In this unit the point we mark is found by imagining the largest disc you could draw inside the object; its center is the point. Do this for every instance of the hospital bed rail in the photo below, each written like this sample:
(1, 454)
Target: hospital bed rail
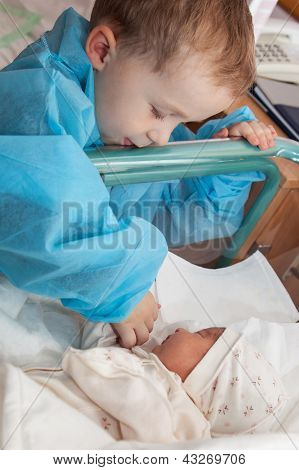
(128, 165)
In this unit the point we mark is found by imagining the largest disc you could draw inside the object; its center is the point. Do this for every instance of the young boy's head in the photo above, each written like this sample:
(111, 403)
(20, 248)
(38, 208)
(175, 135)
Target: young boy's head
(160, 63)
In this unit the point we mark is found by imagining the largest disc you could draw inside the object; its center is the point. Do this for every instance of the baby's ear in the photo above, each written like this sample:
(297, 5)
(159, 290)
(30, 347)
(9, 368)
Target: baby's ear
(100, 46)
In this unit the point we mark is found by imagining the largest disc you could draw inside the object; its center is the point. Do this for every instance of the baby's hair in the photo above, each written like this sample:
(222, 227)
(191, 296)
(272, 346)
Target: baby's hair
(156, 30)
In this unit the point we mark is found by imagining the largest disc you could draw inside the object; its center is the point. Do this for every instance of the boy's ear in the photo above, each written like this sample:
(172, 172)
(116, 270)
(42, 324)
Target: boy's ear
(100, 46)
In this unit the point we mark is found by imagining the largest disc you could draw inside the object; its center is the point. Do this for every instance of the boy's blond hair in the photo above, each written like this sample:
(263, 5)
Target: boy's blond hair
(156, 29)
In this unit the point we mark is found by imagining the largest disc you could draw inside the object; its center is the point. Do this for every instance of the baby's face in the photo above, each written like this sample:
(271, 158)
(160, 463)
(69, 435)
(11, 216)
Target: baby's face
(182, 351)
(134, 103)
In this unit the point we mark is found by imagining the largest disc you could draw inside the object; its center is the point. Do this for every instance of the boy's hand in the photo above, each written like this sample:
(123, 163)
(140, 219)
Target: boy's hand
(256, 132)
(135, 329)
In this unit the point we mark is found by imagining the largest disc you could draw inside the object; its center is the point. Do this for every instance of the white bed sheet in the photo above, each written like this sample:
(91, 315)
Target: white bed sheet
(36, 331)
(249, 288)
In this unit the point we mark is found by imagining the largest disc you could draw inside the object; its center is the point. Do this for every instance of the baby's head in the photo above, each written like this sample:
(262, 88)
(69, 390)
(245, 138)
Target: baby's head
(231, 383)
(159, 63)
(182, 351)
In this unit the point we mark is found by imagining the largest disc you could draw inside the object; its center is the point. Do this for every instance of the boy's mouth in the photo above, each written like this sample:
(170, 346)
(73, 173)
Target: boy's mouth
(128, 143)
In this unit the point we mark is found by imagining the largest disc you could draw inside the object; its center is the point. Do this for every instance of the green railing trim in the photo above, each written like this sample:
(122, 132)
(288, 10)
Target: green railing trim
(270, 188)
(30, 20)
(114, 160)
(173, 172)
(199, 158)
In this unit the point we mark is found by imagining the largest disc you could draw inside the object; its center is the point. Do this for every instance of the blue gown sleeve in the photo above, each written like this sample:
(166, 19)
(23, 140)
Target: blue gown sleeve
(59, 237)
(204, 208)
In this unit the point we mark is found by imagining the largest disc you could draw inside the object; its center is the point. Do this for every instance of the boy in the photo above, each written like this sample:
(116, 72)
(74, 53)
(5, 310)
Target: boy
(132, 77)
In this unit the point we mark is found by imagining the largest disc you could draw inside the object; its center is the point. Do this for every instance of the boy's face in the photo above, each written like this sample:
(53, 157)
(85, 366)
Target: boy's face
(182, 351)
(137, 106)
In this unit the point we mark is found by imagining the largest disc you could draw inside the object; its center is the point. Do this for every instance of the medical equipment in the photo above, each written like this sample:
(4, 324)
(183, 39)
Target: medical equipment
(198, 158)
(277, 51)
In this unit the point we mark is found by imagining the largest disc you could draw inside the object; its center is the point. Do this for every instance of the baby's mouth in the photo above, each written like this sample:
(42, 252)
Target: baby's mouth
(166, 339)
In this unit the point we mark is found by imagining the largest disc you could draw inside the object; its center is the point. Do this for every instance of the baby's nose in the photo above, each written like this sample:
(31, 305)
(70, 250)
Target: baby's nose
(178, 330)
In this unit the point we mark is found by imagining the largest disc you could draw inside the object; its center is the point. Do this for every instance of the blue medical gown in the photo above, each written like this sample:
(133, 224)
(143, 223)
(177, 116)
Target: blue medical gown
(63, 234)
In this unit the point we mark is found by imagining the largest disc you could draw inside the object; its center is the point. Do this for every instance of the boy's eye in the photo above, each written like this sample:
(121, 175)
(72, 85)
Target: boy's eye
(156, 113)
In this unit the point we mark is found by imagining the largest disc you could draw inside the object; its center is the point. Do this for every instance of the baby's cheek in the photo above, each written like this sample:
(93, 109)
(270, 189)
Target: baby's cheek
(180, 358)
(193, 356)
(174, 362)
(187, 363)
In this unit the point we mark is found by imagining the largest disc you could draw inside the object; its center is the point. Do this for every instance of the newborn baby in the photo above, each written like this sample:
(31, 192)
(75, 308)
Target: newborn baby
(233, 385)
(193, 385)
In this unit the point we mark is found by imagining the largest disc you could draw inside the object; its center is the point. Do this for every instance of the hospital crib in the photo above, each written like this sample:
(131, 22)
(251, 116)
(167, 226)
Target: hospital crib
(199, 158)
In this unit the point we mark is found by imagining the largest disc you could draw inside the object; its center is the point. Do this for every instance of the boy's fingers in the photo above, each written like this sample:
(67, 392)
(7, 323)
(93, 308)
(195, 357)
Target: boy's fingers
(149, 324)
(268, 134)
(260, 133)
(151, 320)
(263, 133)
(127, 336)
(142, 333)
(241, 129)
(252, 138)
(273, 131)
(221, 134)
(249, 133)
(255, 134)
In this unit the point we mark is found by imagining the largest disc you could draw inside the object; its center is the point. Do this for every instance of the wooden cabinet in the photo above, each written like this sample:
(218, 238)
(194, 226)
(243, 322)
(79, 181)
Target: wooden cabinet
(291, 6)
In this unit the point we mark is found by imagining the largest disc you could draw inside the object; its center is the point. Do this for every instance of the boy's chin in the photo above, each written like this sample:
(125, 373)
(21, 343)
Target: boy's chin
(108, 141)
(125, 142)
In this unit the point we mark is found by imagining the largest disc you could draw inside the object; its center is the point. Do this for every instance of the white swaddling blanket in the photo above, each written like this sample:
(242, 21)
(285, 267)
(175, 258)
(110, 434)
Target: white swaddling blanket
(144, 400)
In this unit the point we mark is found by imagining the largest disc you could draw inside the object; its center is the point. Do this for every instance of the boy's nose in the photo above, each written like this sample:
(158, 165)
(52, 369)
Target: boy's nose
(159, 137)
